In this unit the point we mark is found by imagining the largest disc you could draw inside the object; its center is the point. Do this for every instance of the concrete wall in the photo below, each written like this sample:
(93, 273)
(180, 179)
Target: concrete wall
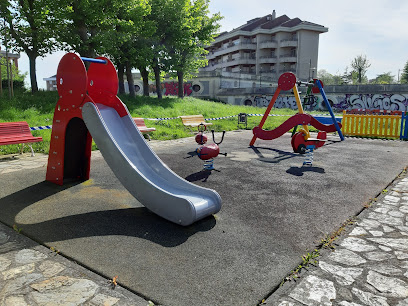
(307, 54)
(387, 97)
(257, 91)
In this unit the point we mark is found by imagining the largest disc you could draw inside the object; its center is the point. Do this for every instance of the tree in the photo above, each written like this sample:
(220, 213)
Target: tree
(197, 30)
(164, 16)
(351, 77)
(83, 24)
(360, 64)
(384, 78)
(123, 44)
(404, 75)
(28, 24)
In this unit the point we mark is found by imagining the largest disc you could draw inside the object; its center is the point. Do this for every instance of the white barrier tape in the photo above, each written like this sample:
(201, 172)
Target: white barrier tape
(48, 127)
(37, 128)
(159, 119)
(210, 119)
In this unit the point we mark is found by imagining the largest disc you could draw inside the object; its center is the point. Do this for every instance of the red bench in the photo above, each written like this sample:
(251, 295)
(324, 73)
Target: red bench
(16, 133)
(142, 126)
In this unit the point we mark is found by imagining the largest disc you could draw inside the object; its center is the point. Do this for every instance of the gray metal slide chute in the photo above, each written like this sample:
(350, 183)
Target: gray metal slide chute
(142, 172)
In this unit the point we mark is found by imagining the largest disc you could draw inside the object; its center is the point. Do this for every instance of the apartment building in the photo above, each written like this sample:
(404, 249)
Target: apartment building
(268, 46)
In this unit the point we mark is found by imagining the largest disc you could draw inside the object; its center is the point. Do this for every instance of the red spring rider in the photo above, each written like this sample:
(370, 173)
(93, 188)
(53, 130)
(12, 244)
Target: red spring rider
(200, 137)
(209, 152)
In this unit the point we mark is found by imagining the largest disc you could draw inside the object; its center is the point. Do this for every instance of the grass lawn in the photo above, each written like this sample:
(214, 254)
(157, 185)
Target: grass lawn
(38, 110)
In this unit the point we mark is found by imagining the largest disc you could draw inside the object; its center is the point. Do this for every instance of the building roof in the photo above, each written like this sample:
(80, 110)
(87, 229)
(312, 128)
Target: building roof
(270, 21)
(9, 54)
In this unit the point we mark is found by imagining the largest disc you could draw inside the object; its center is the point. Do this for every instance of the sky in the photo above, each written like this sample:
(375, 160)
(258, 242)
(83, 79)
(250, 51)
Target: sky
(377, 29)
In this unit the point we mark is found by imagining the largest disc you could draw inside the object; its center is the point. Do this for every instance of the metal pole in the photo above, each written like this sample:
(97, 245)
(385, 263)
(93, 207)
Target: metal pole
(8, 72)
(11, 81)
(1, 81)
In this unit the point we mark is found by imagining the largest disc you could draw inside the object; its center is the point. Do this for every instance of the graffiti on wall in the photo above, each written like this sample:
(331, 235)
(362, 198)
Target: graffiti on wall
(377, 101)
(171, 88)
(339, 103)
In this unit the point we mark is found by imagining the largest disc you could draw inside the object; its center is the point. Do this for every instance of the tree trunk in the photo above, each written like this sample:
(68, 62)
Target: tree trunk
(33, 76)
(180, 77)
(121, 73)
(145, 77)
(129, 78)
(156, 70)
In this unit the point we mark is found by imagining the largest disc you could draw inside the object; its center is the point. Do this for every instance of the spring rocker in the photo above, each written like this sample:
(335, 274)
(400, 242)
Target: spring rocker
(301, 140)
(207, 153)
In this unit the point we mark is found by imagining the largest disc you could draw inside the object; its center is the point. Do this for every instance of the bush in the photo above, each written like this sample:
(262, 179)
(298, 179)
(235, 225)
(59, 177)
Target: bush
(16, 84)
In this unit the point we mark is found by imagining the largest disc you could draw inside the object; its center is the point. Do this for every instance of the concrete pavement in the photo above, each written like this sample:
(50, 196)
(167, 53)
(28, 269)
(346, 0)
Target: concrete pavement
(356, 276)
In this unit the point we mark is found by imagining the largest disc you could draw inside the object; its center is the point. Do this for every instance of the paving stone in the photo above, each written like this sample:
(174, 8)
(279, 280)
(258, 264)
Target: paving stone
(4, 263)
(386, 219)
(15, 301)
(15, 272)
(396, 214)
(369, 224)
(388, 229)
(358, 231)
(401, 255)
(391, 199)
(357, 245)
(53, 283)
(28, 256)
(383, 209)
(403, 303)
(313, 290)
(63, 291)
(393, 286)
(17, 284)
(369, 298)
(403, 229)
(346, 257)
(378, 256)
(384, 248)
(3, 237)
(345, 303)
(344, 276)
(377, 233)
(286, 303)
(50, 268)
(400, 244)
(386, 269)
(104, 300)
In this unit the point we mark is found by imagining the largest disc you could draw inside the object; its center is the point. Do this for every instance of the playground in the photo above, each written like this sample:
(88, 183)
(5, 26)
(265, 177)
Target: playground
(273, 212)
(218, 220)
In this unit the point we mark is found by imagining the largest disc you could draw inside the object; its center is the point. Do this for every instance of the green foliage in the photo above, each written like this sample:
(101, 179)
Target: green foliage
(384, 78)
(38, 110)
(404, 75)
(28, 29)
(360, 65)
(17, 75)
(329, 79)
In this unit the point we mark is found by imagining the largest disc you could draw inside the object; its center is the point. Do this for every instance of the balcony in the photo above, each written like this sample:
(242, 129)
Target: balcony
(288, 58)
(268, 44)
(268, 59)
(293, 42)
(287, 70)
(231, 48)
(270, 71)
